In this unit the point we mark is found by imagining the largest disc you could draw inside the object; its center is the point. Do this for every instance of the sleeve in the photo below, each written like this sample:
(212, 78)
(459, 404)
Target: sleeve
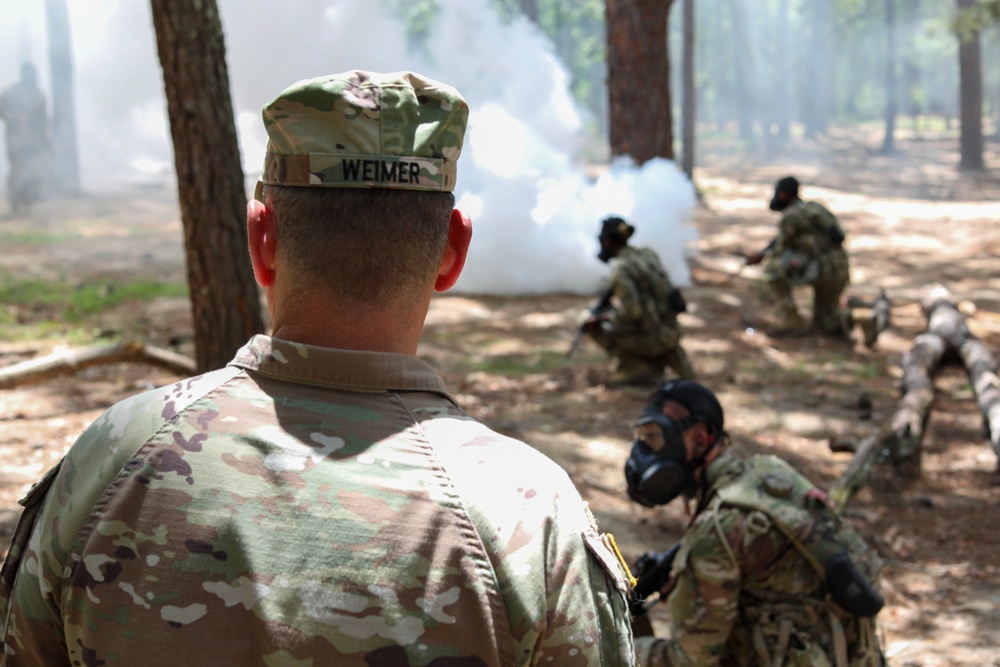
(33, 625)
(563, 588)
(704, 604)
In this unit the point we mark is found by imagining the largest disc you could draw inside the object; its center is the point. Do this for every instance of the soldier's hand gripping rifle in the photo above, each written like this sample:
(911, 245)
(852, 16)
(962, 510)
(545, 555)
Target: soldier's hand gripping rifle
(652, 572)
(603, 305)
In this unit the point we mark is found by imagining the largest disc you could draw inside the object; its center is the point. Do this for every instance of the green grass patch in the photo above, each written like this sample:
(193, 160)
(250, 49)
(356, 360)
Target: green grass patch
(75, 302)
(518, 365)
(868, 370)
(38, 309)
(35, 237)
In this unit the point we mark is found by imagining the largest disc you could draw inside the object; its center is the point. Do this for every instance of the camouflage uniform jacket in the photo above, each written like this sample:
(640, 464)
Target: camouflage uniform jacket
(808, 229)
(641, 290)
(745, 595)
(308, 506)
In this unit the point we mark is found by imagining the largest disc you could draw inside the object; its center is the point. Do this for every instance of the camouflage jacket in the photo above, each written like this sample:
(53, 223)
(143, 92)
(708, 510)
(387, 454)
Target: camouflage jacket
(308, 506)
(641, 291)
(807, 234)
(745, 595)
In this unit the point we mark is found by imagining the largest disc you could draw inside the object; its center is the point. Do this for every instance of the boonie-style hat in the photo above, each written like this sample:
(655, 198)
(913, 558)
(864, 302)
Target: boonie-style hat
(364, 129)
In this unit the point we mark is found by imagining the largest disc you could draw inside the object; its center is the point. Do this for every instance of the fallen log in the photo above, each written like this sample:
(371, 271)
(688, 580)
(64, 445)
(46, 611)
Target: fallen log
(64, 362)
(982, 367)
(946, 319)
(943, 316)
(917, 386)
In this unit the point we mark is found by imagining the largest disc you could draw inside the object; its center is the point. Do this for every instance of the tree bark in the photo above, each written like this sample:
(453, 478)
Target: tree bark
(688, 109)
(888, 143)
(970, 76)
(783, 78)
(639, 79)
(224, 297)
(818, 102)
(530, 9)
(744, 69)
(66, 159)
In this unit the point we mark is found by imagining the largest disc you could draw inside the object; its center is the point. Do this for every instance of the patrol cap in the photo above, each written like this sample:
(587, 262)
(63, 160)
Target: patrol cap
(362, 129)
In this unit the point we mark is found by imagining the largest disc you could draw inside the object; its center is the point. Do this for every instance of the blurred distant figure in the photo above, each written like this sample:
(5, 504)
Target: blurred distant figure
(23, 110)
(808, 250)
(637, 323)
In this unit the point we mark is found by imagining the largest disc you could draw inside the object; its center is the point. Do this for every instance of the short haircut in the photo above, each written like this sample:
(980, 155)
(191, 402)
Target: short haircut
(361, 245)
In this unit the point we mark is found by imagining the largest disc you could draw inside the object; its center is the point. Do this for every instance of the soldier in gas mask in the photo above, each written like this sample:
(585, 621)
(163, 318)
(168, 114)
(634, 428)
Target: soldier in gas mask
(636, 322)
(808, 250)
(767, 573)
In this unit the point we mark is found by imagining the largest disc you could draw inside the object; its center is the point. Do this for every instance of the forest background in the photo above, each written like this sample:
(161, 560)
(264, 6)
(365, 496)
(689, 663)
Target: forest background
(866, 101)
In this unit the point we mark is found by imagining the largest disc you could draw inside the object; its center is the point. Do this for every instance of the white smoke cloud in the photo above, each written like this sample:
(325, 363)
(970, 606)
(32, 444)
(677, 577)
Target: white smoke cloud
(535, 212)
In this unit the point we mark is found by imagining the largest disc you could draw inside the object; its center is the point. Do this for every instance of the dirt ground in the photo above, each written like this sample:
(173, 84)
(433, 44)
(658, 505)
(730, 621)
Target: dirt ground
(911, 220)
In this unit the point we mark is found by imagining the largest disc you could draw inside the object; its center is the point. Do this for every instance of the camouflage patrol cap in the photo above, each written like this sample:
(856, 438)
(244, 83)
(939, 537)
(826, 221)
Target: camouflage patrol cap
(365, 130)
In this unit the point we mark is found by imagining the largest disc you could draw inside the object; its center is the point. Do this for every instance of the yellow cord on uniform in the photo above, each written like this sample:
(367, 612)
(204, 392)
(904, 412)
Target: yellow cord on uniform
(610, 541)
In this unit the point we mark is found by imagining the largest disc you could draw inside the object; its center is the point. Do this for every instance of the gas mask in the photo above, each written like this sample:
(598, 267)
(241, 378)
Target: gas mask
(779, 203)
(613, 236)
(657, 469)
(606, 253)
(789, 187)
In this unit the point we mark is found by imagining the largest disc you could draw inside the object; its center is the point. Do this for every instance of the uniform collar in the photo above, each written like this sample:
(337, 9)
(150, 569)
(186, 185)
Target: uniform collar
(351, 370)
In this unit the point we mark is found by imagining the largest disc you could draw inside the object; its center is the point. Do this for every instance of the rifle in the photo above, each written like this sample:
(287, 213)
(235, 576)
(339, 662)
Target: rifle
(603, 304)
(652, 571)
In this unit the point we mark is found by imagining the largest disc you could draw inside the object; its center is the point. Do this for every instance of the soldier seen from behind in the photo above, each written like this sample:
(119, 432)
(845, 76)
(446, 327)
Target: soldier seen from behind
(808, 250)
(767, 573)
(23, 111)
(638, 326)
(322, 500)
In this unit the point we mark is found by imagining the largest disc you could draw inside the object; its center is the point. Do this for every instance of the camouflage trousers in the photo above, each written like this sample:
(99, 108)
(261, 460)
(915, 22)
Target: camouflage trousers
(641, 357)
(828, 315)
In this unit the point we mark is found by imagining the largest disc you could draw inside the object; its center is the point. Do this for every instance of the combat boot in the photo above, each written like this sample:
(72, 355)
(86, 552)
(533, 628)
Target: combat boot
(872, 318)
(789, 324)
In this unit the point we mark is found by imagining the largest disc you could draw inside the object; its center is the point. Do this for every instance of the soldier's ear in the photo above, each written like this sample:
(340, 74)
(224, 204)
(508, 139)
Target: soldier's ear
(263, 242)
(453, 261)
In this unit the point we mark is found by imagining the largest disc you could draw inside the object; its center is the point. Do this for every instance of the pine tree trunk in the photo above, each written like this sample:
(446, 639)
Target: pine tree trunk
(639, 79)
(66, 160)
(224, 297)
(688, 110)
(970, 75)
(888, 143)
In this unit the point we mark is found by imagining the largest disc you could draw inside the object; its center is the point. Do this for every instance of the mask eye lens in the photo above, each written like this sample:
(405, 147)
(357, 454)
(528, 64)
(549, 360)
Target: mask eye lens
(650, 435)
